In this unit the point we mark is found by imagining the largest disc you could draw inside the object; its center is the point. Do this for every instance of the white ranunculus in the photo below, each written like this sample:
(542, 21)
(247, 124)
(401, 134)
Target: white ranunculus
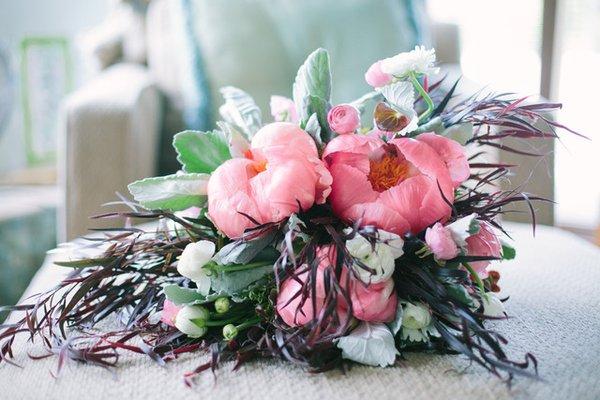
(183, 320)
(492, 306)
(194, 257)
(419, 60)
(381, 260)
(416, 323)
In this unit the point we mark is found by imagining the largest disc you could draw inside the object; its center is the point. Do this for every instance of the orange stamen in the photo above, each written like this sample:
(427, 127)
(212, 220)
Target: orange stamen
(387, 172)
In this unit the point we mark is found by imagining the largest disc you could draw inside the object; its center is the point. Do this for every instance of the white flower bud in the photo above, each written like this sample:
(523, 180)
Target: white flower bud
(381, 260)
(183, 321)
(492, 306)
(415, 316)
(194, 257)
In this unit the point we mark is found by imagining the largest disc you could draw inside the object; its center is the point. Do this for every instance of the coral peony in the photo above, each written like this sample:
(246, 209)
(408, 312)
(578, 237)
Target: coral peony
(343, 119)
(400, 186)
(440, 242)
(280, 175)
(483, 243)
(452, 153)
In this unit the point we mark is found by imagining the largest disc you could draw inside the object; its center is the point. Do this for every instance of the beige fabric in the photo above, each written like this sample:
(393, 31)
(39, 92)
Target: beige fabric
(554, 300)
(110, 134)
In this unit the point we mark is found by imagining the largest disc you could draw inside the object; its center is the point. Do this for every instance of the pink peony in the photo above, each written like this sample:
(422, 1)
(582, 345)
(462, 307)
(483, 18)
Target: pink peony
(396, 186)
(376, 77)
(169, 313)
(343, 119)
(452, 153)
(440, 242)
(483, 243)
(373, 303)
(280, 175)
(283, 109)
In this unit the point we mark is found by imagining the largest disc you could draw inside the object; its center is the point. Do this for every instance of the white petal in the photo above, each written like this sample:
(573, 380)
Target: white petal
(369, 344)
(184, 324)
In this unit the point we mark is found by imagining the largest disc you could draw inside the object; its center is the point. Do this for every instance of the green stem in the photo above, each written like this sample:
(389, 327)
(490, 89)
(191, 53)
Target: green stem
(474, 274)
(424, 95)
(241, 267)
(248, 324)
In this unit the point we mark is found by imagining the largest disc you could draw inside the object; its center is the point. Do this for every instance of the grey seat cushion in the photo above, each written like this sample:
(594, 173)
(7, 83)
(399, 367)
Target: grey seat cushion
(554, 302)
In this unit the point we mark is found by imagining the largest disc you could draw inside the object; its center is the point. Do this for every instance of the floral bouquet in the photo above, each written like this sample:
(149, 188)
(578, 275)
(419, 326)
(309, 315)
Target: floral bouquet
(336, 234)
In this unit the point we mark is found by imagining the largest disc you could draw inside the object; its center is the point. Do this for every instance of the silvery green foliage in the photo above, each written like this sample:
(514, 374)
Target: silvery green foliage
(187, 296)
(313, 128)
(369, 344)
(312, 90)
(172, 192)
(232, 283)
(241, 110)
(201, 152)
(459, 132)
(243, 252)
(237, 141)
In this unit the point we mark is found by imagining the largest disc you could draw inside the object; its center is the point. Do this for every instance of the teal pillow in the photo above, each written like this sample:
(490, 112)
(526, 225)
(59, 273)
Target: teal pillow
(258, 45)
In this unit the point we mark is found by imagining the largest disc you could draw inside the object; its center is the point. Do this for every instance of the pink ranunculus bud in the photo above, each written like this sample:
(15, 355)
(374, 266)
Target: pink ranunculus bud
(281, 175)
(440, 242)
(376, 302)
(343, 119)
(376, 77)
(483, 243)
(169, 313)
(283, 109)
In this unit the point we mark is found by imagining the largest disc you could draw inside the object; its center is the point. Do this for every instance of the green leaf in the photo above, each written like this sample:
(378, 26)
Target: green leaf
(459, 293)
(320, 107)
(396, 324)
(243, 252)
(508, 252)
(232, 283)
(186, 296)
(313, 128)
(313, 79)
(172, 192)
(240, 109)
(201, 152)
(369, 344)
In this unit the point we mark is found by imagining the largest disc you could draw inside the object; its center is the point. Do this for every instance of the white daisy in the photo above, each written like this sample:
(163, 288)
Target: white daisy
(419, 61)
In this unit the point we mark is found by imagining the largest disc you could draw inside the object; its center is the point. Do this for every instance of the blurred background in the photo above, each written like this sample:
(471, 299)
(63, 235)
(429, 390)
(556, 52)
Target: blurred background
(92, 91)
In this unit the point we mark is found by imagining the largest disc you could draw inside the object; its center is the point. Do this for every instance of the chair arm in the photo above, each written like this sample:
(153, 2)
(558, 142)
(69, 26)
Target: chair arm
(109, 136)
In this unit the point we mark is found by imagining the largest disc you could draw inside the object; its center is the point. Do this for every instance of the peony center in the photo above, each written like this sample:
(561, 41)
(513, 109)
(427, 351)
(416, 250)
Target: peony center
(259, 165)
(387, 172)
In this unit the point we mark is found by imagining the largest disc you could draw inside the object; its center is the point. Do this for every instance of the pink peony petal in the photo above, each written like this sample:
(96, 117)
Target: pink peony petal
(452, 153)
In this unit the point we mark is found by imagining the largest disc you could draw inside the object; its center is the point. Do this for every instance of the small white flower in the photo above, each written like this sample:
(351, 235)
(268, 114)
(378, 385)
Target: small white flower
(419, 61)
(369, 344)
(416, 323)
(381, 260)
(183, 320)
(194, 257)
(492, 306)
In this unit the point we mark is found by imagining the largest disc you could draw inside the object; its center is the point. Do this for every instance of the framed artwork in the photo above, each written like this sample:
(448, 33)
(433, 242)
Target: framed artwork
(46, 76)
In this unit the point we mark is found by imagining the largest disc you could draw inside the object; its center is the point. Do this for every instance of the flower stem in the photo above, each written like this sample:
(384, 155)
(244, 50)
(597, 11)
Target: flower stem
(241, 267)
(474, 274)
(248, 324)
(424, 95)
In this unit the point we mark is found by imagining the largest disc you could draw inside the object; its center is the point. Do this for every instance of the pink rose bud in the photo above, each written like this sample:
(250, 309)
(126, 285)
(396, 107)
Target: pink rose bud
(283, 109)
(169, 313)
(376, 77)
(343, 119)
(439, 240)
(484, 243)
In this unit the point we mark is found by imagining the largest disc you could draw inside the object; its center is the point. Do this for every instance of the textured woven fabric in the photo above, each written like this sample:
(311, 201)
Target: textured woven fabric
(554, 300)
